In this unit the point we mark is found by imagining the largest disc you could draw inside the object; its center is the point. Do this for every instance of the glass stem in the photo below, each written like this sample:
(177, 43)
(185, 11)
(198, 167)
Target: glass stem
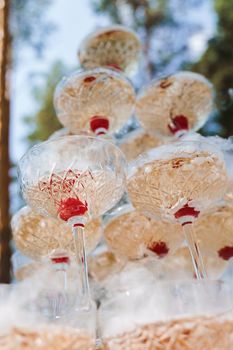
(79, 240)
(195, 253)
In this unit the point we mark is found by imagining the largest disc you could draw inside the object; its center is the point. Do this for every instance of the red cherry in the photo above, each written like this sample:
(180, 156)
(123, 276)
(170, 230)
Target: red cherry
(101, 123)
(71, 207)
(61, 260)
(178, 123)
(89, 79)
(186, 211)
(159, 248)
(114, 65)
(226, 253)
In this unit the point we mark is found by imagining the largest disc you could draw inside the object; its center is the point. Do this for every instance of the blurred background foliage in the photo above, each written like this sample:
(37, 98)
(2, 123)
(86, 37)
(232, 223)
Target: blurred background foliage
(164, 27)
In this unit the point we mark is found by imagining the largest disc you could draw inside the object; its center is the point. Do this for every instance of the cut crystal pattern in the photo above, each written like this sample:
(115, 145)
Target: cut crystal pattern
(179, 102)
(108, 95)
(135, 236)
(163, 186)
(38, 237)
(115, 47)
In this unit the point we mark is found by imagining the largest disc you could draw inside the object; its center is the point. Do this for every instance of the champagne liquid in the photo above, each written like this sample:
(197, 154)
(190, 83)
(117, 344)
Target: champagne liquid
(114, 47)
(37, 236)
(97, 93)
(183, 94)
(215, 233)
(135, 236)
(100, 190)
(160, 188)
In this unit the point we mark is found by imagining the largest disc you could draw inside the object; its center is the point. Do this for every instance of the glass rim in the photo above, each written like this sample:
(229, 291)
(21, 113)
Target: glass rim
(106, 29)
(143, 158)
(74, 137)
(183, 74)
(81, 73)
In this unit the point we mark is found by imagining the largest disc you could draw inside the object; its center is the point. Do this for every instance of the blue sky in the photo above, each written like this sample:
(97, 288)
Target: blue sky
(74, 19)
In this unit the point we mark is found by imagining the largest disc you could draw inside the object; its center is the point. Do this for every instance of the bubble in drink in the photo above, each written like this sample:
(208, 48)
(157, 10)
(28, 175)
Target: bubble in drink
(115, 47)
(135, 236)
(175, 105)
(40, 237)
(99, 101)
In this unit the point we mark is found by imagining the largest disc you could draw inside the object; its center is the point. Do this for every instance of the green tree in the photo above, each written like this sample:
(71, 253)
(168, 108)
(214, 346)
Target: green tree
(44, 121)
(29, 26)
(21, 21)
(160, 24)
(217, 65)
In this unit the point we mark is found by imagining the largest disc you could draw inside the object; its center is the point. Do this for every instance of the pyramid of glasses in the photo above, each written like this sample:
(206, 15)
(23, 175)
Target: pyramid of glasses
(178, 216)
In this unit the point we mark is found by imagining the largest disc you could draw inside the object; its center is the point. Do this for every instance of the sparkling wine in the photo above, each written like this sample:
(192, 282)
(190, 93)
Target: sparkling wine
(40, 237)
(175, 105)
(99, 101)
(135, 236)
(75, 193)
(115, 47)
(180, 187)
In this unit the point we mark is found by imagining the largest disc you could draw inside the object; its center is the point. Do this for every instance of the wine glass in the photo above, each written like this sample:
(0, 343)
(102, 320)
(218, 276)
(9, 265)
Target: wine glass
(74, 179)
(45, 238)
(99, 101)
(131, 234)
(115, 47)
(177, 182)
(175, 104)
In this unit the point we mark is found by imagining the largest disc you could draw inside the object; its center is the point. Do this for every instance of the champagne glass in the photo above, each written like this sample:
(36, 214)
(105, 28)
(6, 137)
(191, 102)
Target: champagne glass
(131, 234)
(74, 179)
(174, 105)
(99, 101)
(177, 182)
(115, 47)
(45, 238)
